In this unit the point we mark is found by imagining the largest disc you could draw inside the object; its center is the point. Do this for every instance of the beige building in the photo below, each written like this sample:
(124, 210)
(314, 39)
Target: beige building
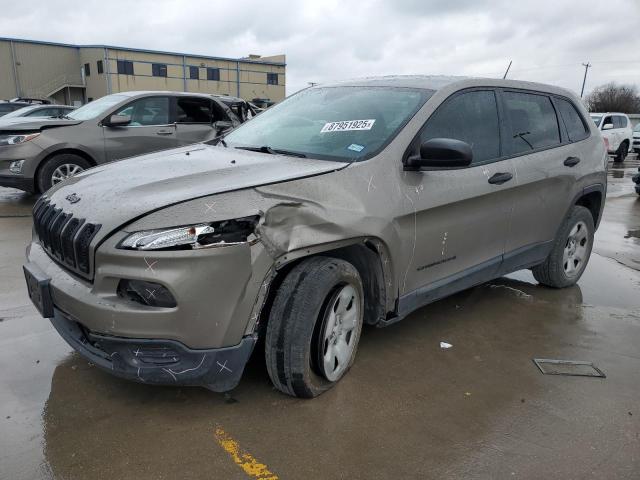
(75, 74)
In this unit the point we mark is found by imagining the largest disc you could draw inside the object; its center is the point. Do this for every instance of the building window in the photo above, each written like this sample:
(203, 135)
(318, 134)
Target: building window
(87, 70)
(194, 73)
(159, 70)
(213, 74)
(125, 67)
(272, 79)
(100, 67)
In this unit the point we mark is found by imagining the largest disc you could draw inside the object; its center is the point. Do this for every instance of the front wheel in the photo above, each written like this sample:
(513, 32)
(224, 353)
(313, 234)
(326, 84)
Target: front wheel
(570, 253)
(314, 326)
(59, 168)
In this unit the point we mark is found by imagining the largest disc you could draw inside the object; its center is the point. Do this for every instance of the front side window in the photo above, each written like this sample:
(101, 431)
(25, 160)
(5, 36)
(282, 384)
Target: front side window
(194, 73)
(147, 111)
(607, 121)
(334, 123)
(532, 122)
(471, 117)
(272, 79)
(576, 129)
(193, 110)
(213, 74)
(97, 108)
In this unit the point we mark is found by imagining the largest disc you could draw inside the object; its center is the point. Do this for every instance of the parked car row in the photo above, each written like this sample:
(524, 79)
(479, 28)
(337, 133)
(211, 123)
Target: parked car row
(347, 204)
(36, 153)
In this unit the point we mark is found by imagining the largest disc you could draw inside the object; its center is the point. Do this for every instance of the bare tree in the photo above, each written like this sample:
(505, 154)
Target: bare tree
(614, 98)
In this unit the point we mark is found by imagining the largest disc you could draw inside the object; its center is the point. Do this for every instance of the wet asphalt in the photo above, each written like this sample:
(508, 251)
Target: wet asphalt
(407, 409)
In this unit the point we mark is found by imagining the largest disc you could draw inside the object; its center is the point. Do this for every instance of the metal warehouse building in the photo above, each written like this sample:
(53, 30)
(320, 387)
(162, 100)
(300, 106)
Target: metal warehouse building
(73, 74)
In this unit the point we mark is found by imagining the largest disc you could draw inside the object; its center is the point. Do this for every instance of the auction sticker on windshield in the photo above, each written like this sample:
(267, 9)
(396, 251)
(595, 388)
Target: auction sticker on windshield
(348, 125)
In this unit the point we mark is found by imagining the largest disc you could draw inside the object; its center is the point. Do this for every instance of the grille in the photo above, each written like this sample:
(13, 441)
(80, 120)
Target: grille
(63, 236)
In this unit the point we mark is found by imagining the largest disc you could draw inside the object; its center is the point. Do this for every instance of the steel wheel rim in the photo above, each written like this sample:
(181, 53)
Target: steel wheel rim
(65, 171)
(576, 249)
(338, 337)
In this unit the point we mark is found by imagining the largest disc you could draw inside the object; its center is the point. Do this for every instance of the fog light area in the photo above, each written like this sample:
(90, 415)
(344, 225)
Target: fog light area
(146, 293)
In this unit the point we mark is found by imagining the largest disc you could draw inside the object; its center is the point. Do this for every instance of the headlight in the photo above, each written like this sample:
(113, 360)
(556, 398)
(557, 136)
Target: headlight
(17, 139)
(192, 236)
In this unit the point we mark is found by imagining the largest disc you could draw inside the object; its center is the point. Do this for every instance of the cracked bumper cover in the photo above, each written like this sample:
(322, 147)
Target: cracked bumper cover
(158, 362)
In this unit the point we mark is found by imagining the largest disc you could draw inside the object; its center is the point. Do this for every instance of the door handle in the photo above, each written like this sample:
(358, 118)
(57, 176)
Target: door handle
(164, 132)
(572, 161)
(500, 178)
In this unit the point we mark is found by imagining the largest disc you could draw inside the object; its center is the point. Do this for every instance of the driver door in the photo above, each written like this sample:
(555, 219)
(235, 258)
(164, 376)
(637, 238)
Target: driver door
(150, 129)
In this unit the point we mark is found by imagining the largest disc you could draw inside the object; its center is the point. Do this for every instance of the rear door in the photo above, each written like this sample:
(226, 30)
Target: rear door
(547, 164)
(194, 119)
(457, 221)
(150, 129)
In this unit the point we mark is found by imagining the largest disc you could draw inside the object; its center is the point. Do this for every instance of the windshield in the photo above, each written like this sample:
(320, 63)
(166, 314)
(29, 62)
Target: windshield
(8, 107)
(96, 108)
(334, 123)
(636, 128)
(596, 119)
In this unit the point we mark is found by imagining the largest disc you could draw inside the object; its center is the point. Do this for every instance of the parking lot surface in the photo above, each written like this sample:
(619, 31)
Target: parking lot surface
(407, 409)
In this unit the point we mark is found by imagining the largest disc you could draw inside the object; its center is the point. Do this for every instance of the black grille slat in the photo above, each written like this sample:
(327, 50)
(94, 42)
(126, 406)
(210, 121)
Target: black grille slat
(81, 245)
(66, 239)
(56, 230)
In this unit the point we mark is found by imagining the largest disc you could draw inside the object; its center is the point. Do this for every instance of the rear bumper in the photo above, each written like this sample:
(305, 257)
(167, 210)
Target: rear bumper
(158, 362)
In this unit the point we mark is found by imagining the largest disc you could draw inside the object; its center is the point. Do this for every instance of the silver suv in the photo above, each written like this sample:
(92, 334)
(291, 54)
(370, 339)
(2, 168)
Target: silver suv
(34, 155)
(347, 204)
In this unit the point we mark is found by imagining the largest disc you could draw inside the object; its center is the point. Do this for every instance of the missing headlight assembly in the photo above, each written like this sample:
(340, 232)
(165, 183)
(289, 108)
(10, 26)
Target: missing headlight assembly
(189, 237)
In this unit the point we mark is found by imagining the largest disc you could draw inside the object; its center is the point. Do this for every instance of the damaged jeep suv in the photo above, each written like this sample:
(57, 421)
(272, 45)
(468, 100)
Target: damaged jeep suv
(346, 204)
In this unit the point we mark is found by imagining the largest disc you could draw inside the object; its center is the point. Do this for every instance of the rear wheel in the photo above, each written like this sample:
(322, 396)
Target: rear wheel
(59, 168)
(314, 326)
(570, 253)
(622, 152)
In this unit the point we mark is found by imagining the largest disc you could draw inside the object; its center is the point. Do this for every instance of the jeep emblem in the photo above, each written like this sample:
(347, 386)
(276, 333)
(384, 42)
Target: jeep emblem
(73, 198)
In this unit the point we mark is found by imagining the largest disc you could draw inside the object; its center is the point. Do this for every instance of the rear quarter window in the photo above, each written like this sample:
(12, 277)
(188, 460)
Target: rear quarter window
(573, 121)
(532, 122)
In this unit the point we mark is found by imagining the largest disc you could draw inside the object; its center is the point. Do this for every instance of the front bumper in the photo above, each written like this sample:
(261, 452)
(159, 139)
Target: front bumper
(158, 362)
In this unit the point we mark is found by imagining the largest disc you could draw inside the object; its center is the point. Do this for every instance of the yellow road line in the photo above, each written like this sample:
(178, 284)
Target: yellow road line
(243, 459)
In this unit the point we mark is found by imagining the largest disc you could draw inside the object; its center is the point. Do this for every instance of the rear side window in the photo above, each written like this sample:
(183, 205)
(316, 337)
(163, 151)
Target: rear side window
(471, 117)
(573, 122)
(621, 122)
(532, 122)
(193, 110)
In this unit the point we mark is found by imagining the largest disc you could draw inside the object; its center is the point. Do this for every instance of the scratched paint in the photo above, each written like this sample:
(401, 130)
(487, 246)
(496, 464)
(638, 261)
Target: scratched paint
(247, 462)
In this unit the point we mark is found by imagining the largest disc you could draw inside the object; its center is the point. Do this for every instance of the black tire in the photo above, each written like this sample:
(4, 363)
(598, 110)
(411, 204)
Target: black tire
(45, 172)
(622, 152)
(296, 328)
(552, 272)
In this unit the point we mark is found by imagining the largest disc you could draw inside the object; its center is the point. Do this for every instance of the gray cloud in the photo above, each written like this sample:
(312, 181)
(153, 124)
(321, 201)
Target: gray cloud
(331, 40)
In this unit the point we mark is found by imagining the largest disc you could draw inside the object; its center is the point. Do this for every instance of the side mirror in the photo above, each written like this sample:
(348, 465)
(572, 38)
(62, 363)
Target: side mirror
(117, 121)
(222, 125)
(607, 126)
(441, 153)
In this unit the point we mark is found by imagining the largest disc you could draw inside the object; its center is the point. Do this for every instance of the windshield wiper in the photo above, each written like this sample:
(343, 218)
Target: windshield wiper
(273, 151)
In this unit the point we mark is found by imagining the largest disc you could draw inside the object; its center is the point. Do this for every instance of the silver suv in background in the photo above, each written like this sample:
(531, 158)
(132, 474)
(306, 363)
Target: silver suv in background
(617, 133)
(347, 204)
(36, 111)
(34, 155)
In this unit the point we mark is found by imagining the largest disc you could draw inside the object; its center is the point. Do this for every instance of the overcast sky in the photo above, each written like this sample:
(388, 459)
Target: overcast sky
(326, 40)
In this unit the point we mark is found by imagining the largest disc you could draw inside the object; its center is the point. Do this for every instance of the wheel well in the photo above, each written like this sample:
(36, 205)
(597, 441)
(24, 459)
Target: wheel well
(365, 258)
(72, 151)
(592, 201)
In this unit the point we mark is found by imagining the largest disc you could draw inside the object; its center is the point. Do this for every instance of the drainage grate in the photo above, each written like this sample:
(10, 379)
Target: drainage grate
(568, 367)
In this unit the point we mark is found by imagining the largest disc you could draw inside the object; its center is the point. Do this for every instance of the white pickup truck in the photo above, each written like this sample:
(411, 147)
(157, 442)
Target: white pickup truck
(617, 132)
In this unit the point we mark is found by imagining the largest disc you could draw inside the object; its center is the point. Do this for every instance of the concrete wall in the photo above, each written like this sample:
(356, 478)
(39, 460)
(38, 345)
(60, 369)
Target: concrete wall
(7, 83)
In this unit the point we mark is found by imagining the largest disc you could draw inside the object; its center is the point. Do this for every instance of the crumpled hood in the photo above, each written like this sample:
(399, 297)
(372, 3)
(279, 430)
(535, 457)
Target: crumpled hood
(117, 193)
(30, 124)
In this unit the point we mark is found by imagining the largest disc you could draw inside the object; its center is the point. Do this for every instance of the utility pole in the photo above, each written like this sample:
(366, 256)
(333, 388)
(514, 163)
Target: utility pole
(312, 84)
(505, 73)
(584, 80)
